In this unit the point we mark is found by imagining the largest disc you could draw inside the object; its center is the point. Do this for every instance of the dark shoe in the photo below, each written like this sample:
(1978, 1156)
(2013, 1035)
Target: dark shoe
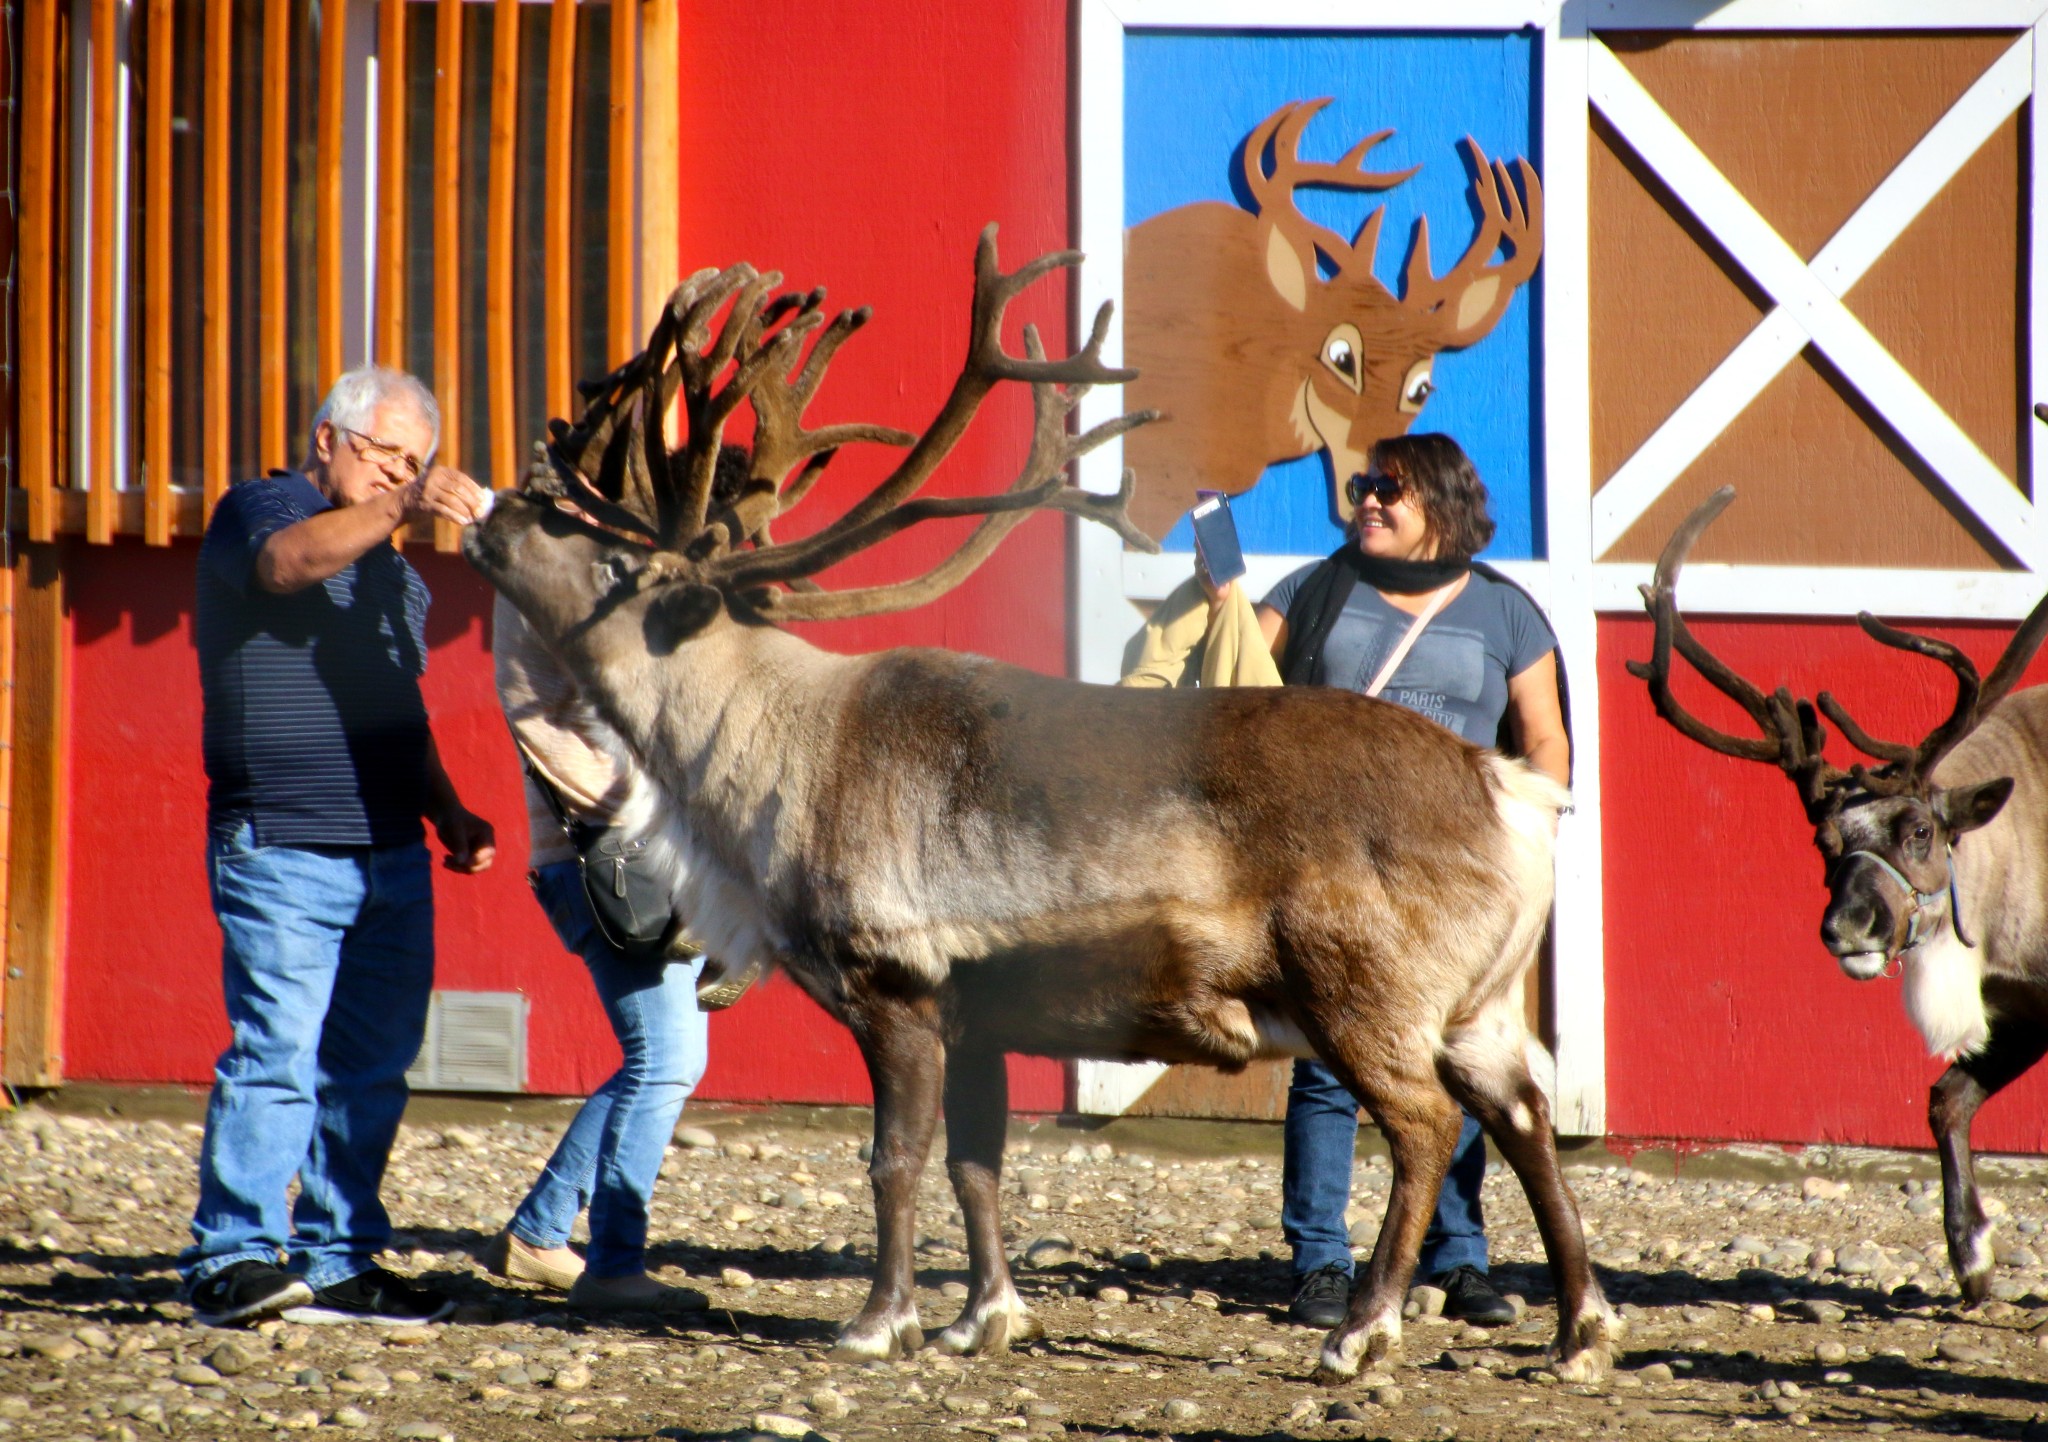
(1470, 1297)
(374, 1296)
(245, 1291)
(1323, 1297)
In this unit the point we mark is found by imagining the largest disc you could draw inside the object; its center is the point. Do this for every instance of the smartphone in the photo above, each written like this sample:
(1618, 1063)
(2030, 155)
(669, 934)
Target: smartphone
(1216, 537)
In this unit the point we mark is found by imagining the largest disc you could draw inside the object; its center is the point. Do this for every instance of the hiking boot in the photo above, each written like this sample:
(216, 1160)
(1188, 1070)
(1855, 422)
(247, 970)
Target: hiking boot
(1323, 1297)
(245, 1291)
(374, 1296)
(520, 1261)
(1470, 1297)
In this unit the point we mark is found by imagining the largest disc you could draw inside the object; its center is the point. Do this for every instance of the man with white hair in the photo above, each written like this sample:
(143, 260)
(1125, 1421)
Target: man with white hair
(311, 633)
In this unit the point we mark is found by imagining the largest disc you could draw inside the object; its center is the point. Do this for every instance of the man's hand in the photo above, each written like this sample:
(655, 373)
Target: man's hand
(471, 841)
(447, 493)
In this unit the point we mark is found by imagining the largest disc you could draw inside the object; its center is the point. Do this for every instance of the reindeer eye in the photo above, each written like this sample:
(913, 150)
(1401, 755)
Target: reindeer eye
(1343, 353)
(1341, 358)
(1420, 389)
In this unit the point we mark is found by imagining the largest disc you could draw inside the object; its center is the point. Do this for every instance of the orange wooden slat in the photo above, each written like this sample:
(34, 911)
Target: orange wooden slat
(37, 393)
(660, 157)
(390, 345)
(622, 328)
(327, 190)
(273, 234)
(102, 388)
(448, 245)
(215, 414)
(159, 516)
(498, 243)
(38, 813)
(557, 207)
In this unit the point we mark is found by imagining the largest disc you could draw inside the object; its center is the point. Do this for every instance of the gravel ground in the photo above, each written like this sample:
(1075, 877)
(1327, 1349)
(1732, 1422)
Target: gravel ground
(1802, 1304)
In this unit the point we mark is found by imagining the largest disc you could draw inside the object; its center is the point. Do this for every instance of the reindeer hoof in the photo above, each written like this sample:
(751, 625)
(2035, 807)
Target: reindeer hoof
(878, 1339)
(990, 1331)
(1585, 1350)
(1346, 1350)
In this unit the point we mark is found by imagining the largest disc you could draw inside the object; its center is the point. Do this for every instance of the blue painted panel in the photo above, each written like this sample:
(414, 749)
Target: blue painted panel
(1190, 100)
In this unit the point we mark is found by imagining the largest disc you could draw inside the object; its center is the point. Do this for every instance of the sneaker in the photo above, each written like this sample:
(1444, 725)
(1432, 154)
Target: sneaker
(244, 1291)
(373, 1296)
(1323, 1298)
(1470, 1297)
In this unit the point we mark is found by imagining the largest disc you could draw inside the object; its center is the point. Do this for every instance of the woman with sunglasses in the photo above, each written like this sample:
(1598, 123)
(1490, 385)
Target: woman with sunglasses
(1483, 662)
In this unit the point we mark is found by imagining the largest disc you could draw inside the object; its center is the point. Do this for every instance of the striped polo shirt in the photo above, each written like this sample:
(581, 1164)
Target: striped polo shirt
(315, 732)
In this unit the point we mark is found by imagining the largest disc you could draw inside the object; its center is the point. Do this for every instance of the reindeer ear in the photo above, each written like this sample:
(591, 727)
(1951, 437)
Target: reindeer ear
(1291, 268)
(1965, 808)
(679, 611)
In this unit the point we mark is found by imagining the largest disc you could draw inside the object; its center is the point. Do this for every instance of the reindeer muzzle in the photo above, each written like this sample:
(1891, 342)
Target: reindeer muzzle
(1864, 965)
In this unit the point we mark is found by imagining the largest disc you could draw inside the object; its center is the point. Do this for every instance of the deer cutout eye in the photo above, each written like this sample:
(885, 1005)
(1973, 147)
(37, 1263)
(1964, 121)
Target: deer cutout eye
(1343, 354)
(1417, 386)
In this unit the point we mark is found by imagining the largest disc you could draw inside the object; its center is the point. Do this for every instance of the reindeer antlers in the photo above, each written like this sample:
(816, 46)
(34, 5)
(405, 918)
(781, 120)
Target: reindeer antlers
(757, 357)
(1794, 735)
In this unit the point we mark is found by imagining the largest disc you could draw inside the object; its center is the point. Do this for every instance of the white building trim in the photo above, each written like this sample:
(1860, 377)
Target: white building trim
(1809, 306)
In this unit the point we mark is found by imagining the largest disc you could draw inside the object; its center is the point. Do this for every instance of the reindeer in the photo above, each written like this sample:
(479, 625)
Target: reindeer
(1936, 860)
(958, 858)
(1254, 358)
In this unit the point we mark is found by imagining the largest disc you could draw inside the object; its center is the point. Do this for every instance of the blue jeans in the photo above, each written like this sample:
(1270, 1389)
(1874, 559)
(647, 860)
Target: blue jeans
(610, 1156)
(1321, 1135)
(327, 961)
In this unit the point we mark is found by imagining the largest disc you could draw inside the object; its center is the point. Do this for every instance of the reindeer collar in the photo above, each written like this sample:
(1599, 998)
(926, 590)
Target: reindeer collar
(1921, 919)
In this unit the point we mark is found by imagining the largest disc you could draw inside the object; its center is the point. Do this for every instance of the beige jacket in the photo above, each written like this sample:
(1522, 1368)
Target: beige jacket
(1234, 650)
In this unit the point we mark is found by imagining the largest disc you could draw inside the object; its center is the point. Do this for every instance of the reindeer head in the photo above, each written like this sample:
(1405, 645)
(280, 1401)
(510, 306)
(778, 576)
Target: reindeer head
(609, 518)
(1366, 359)
(1884, 833)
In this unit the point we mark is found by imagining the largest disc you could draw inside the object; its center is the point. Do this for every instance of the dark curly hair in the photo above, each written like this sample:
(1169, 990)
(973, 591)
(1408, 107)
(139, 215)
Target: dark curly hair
(1438, 475)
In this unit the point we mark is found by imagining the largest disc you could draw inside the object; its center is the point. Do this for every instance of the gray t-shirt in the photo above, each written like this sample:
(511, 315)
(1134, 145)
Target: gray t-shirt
(1457, 673)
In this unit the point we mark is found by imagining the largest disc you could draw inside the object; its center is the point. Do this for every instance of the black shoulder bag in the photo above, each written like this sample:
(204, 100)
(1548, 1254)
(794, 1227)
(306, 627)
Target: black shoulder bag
(629, 902)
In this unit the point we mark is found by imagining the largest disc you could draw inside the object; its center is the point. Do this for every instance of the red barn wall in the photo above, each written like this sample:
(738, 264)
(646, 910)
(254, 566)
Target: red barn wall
(1726, 1019)
(940, 120)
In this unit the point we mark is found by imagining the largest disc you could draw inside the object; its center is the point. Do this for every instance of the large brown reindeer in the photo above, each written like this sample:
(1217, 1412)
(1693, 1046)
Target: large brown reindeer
(959, 858)
(1937, 860)
(1253, 357)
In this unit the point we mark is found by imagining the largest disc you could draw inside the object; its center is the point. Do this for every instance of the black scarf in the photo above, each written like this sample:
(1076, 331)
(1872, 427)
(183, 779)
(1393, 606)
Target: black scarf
(1320, 601)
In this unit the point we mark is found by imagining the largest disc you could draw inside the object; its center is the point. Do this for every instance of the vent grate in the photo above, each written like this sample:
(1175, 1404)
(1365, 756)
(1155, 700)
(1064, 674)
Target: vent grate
(475, 1042)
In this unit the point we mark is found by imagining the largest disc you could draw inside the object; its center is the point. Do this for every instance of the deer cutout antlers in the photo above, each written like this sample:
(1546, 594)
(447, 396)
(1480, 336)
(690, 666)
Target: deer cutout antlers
(1469, 298)
(1792, 735)
(757, 357)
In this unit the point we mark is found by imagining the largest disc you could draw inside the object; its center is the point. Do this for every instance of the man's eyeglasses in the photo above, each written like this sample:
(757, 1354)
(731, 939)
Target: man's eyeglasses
(1381, 487)
(380, 452)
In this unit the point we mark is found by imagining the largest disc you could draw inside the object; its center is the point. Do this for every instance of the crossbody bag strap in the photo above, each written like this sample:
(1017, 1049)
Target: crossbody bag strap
(1437, 601)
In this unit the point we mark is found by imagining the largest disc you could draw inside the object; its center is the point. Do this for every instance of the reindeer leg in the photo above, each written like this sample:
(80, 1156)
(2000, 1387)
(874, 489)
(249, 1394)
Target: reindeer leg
(2015, 1044)
(1421, 1124)
(906, 1066)
(977, 1117)
(1486, 1066)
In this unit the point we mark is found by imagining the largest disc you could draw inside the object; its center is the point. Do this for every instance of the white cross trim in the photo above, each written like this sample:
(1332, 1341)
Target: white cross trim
(1809, 305)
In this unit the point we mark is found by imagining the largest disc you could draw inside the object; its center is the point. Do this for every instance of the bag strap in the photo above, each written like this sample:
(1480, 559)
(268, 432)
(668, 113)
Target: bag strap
(1438, 599)
(554, 801)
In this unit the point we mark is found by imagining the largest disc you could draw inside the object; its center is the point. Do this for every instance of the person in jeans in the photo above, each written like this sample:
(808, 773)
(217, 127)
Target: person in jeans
(1484, 665)
(311, 633)
(611, 1155)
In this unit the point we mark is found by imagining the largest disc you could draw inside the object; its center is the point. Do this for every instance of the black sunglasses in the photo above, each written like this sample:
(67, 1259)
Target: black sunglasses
(1381, 487)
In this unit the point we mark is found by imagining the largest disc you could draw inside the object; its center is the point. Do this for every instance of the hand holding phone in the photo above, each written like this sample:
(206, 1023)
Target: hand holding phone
(1216, 542)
